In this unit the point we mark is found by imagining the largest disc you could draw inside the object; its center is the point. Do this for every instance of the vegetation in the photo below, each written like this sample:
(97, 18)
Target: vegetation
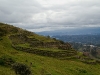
(6, 60)
(41, 55)
(21, 69)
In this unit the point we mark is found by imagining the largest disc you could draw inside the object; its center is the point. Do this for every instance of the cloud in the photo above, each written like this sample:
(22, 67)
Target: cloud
(46, 15)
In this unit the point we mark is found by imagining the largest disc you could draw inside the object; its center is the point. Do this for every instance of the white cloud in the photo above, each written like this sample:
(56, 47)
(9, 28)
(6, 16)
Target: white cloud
(50, 3)
(46, 15)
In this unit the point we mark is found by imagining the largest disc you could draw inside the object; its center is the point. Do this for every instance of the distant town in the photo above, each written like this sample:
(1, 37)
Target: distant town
(89, 44)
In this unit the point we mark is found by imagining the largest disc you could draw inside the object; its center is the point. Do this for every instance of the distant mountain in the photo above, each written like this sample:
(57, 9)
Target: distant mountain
(76, 31)
(85, 39)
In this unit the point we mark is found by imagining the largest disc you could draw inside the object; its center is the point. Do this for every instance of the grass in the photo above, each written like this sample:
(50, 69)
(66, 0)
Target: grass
(41, 38)
(50, 49)
(6, 71)
(45, 65)
(27, 45)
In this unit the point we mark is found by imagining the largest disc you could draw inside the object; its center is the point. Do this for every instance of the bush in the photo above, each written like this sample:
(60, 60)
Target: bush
(21, 69)
(81, 70)
(1, 39)
(6, 60)
(62, 42)
(2, 32)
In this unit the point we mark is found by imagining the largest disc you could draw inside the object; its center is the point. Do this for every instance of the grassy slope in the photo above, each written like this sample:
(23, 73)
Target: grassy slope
(45, 65)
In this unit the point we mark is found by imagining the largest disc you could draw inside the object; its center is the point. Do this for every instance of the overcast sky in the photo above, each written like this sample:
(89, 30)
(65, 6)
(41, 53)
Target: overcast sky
(49, 15)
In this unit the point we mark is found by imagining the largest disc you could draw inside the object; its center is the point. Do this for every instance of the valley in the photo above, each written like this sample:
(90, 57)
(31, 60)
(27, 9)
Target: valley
(89, 43)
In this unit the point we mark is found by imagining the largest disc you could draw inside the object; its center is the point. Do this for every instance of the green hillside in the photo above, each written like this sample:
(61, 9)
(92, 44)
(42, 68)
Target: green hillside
(44, 55)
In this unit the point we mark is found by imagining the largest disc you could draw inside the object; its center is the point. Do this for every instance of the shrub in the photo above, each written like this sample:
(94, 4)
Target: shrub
(62, 42)
(81, 70)
(21, 69)
(6, 60)
(1, 39)
(2, 32)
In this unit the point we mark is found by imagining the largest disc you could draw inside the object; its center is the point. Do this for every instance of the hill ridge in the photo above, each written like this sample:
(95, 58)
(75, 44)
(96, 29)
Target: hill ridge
(34, 43)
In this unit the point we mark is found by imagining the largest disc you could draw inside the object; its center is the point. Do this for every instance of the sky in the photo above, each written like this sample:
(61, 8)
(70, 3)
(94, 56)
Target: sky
(50, 15)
